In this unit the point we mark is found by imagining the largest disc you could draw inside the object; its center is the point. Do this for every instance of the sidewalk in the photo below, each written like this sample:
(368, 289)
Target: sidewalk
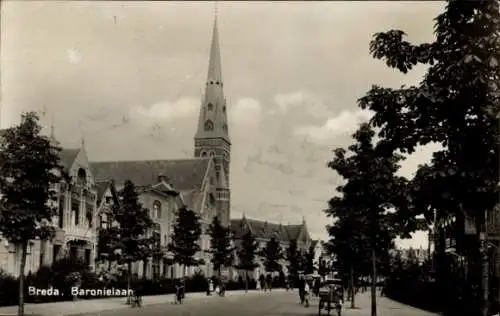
(91, 306)
(385, 307)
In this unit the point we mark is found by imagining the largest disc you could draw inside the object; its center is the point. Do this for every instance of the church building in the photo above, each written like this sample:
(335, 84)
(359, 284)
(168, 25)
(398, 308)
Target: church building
(201, 181)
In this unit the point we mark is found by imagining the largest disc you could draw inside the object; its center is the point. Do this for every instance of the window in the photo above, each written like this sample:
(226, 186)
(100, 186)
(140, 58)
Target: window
(203, 153)
(217, 175)
(212, 181)
(224, 109)
(165, 239)
(157, 209)
(82, 176)
(75, 209)
(224, 127)
(210, 107)
(55, 252)
(61, 211)
(209, 125)
(212, 154)
(108, 199)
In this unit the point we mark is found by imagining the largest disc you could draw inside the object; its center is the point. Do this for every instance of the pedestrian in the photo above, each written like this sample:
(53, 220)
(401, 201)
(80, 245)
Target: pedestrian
(301, 288)
(210, 287)
(269, 281)
(307, 292)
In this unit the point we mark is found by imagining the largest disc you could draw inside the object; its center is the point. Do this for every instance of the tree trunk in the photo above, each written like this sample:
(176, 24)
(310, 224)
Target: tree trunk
(246, 281)
(352, 286)
(129, 280)
(144, 268)
(485, 277)
(481, 227)
(374, 283)
(24, 249)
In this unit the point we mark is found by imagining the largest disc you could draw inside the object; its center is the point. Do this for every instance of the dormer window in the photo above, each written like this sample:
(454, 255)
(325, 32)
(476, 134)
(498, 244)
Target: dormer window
(209, 125)
(210, 107)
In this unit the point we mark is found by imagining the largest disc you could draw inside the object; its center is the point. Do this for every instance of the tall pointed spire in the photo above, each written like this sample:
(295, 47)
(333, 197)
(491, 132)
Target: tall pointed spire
(213, 117)
(214, 66)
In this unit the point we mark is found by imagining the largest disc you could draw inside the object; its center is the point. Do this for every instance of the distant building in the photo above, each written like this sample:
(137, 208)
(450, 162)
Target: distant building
(263, 231)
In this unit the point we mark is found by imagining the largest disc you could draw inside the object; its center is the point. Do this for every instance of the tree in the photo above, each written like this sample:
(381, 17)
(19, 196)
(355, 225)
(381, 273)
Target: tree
(456, 105)
(185, 240)
(371, 187)
(309, 260)
(271, 255)
(246, 253)
(30, 171)
(220, 245)
(293, 258)
(134, 224)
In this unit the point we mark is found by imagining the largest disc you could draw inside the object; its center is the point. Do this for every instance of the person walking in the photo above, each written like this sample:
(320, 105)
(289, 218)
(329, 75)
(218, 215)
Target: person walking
(301, 288)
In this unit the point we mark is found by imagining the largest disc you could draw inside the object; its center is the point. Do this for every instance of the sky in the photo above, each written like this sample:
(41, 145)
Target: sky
(127, 77)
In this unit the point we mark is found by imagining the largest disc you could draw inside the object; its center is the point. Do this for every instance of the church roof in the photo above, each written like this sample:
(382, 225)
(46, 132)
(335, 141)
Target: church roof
(68, 156)
(183, 174)
(265, 230)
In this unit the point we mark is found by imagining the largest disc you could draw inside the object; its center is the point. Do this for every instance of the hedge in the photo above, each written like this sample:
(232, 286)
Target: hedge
(63, 275)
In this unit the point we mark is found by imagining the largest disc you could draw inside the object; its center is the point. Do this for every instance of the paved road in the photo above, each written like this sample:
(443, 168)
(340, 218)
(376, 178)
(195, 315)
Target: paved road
(269, 304)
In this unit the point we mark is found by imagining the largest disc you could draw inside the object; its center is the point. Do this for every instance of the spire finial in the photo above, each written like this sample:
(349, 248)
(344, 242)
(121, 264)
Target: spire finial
(216, 10)
(52, 128)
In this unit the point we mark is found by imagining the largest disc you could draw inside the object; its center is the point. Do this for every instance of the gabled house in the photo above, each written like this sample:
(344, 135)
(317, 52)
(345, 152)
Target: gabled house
(75, 222)
(263, 231)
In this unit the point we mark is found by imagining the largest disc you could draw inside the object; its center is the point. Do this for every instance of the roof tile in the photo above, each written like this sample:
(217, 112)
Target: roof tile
(184, 174)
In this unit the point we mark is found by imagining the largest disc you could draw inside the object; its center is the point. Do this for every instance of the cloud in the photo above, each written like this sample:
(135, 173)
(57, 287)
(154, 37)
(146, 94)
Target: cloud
(301, 100)
(167, 110)
(344, 123)
(74, 56)
(246, 110)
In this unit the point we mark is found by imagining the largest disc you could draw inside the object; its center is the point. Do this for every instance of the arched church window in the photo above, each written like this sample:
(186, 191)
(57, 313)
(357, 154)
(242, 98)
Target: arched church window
(203, 153)
(209, 125)
(212, 154)
(210, 107)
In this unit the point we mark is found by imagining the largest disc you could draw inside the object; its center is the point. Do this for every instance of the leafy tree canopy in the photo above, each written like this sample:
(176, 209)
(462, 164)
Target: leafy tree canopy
(30, 170)
(134, 224)
(271, 255)
(456, 105)
(185, 240)
(220, 244)
(247, 252)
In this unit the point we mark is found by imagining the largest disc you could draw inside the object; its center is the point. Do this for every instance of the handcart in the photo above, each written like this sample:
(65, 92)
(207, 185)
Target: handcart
(331, 297)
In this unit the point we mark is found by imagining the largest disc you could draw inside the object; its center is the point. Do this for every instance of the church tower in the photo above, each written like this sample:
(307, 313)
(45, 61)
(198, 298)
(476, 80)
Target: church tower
(212, 136)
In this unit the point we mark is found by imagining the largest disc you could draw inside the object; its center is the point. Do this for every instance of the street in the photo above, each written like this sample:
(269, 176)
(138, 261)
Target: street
(276, 303)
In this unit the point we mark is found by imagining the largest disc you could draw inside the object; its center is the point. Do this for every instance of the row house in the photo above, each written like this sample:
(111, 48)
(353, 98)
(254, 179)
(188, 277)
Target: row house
(263, 231)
